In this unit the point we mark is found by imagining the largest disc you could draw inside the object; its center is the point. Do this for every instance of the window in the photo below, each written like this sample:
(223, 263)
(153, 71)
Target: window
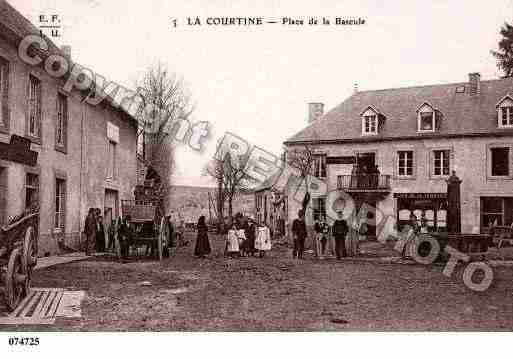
(319, 166)
(319, 208)
(62, 121)
(111, 156)
(427, 121)
(441, 162)
(370, 124)
(427, 117)
(496, 211)
(499, 161)
(34, 107)
(505, 112)
(60, 203)
(4, 94)
(405, 163)
(31, 190)
(506, 116)
(3, 195)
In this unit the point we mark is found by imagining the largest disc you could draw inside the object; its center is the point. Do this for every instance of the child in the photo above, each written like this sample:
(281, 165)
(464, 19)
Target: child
(241, 236)
(232, 242)
(263, 239)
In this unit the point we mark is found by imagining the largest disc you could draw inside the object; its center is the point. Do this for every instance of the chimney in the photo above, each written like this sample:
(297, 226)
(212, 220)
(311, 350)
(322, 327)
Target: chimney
(315, 111)
(355, 90)
(474, 81)
(66, 49)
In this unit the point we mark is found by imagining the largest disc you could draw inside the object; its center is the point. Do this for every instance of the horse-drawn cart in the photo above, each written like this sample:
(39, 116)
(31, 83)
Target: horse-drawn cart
(146, 228)
(18, 257)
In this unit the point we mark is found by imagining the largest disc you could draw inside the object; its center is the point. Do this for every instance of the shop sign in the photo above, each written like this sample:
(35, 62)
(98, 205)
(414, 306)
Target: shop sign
(421, 196)
(18, 150)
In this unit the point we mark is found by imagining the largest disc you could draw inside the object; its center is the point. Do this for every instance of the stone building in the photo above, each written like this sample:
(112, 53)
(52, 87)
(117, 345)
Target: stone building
(271, 206)
(395, 148)
(57, 150)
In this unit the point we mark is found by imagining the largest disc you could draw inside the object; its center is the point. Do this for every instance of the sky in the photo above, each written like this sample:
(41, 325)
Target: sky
(256, 81)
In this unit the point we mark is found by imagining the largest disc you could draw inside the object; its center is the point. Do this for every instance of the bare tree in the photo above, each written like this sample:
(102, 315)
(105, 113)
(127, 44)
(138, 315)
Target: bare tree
(231, 177)
(215, 169)
(166, 102)
(302, 159)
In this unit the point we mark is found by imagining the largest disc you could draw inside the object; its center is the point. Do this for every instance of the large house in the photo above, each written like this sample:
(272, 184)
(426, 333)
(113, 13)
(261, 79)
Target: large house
(395, 149)
(56, 150)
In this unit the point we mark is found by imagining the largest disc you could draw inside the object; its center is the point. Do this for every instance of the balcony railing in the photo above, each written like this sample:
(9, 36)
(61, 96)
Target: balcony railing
(364, 182)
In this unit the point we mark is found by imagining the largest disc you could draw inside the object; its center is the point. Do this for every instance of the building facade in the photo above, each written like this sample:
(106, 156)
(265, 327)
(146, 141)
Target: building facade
(271, 207)
(394, 149)
(56, 150)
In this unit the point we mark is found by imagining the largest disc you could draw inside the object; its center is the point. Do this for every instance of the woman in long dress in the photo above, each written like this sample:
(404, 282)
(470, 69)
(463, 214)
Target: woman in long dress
(202, 244)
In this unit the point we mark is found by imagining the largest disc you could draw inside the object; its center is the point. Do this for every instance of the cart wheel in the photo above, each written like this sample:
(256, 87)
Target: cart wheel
(16, 281)
(29, 255)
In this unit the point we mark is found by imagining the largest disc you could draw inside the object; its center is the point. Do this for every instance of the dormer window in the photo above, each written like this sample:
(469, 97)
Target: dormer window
(371, 124)
(370, 121)
(426, 118)
(505, 112)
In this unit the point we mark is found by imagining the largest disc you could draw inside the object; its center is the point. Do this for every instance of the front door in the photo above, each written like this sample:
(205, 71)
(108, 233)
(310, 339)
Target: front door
(111, 205)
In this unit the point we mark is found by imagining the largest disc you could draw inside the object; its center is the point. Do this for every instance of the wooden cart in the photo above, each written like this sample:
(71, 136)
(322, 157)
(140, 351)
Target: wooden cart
(18, 257)
(147, 227)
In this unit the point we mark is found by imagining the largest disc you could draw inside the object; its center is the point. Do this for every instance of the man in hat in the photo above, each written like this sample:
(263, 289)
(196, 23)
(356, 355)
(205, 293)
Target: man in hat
(299, 233)
(339, 230)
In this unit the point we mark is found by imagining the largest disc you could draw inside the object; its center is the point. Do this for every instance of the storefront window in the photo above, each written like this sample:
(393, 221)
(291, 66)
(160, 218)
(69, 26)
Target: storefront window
(428, 209)
(496, 211)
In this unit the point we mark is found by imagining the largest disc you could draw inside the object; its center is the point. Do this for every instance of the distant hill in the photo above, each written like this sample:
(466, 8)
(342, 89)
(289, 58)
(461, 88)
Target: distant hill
(189, 203)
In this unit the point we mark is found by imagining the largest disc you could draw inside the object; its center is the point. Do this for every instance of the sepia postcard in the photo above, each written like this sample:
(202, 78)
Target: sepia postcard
(253, 170)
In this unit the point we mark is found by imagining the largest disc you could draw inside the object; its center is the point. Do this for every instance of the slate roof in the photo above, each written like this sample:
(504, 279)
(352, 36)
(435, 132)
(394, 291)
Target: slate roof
(463, 114)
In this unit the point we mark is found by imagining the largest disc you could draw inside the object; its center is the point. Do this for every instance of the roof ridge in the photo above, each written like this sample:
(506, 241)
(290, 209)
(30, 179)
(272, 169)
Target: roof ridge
(431, 85)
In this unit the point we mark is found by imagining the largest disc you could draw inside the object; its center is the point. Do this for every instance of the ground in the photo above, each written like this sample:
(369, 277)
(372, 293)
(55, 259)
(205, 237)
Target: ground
(276, 293)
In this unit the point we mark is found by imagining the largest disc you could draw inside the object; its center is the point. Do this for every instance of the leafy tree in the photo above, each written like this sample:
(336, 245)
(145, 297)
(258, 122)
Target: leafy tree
(505, 54)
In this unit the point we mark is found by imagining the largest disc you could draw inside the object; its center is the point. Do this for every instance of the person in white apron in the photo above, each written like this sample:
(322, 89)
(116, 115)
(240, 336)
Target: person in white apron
(232, 242)
(241, 237)
(263, 240)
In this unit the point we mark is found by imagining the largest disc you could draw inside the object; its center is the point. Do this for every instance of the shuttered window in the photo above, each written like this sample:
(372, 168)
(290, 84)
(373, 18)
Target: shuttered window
(60, 203)
(61, 122)
(4, 94)
(34, 107)
(3, 195)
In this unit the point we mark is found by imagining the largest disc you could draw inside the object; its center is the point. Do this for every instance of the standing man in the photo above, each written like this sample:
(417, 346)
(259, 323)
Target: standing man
(325, 230)
(299, 233)
(100, 234)
(89, 230)
(339, 230)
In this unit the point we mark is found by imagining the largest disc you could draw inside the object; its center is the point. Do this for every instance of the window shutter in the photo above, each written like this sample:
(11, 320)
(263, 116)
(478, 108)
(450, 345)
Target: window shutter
(27, 107)
(56, 120)
(5, 95)
(65, 125)
(40, 109)
(438, 120)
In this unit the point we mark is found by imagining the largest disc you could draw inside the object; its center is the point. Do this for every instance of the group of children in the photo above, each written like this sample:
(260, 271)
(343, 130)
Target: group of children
(246, 238)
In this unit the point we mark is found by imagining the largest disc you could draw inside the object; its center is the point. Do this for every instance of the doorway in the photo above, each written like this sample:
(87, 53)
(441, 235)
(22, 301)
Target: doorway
(111, 210)
(366, 161)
